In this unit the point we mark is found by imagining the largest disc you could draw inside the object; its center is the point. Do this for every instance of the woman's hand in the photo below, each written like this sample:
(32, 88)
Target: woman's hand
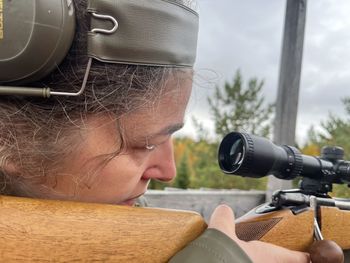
(223, 219)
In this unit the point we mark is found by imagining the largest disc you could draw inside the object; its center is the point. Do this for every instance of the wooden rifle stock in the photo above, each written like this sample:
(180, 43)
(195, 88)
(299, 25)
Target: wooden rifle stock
(335, 224)
(34, 230)
(61, 231)
(281, 227)
(295, 231)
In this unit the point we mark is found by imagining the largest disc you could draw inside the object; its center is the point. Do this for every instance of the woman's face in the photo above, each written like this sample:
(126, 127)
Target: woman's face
(126, 176)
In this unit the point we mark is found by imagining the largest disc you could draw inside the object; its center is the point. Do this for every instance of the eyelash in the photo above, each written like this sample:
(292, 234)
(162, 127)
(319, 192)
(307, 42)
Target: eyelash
(150, 147)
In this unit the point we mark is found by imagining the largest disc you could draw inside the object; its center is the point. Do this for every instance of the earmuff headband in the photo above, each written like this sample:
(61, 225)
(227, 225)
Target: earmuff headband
(149, 32)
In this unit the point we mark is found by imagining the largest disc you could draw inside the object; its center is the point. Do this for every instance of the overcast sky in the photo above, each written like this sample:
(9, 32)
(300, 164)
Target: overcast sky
(247, 35)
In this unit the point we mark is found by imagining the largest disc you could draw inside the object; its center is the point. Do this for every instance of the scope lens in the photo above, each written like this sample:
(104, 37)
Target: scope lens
(231, 152)
(236, 153)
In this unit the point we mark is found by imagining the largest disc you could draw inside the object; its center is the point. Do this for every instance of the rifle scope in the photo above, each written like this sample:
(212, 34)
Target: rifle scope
(252, 156)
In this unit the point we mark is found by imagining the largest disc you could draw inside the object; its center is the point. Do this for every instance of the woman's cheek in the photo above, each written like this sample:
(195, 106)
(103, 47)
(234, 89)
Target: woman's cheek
(122, 176)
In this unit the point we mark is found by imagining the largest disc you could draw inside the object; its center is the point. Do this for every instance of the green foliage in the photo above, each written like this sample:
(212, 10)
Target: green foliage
(341, 190)
(335, 132)
(201, 132)
(238, 108)
(157, 185)
(182, 178)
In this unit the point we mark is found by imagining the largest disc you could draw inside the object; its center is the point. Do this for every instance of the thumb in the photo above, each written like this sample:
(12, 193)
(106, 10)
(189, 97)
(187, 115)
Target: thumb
(223, 220)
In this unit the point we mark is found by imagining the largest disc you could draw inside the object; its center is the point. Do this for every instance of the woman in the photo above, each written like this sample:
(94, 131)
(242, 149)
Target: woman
(105, 143)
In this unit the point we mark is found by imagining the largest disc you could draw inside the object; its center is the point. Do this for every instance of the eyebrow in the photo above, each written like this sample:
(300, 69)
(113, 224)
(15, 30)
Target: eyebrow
(168, 130)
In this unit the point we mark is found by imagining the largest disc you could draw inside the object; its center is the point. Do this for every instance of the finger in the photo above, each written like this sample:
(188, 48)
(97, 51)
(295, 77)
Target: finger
(223, 220)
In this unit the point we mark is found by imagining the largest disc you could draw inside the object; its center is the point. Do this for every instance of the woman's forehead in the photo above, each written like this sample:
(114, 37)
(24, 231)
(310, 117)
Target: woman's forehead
(163, 116)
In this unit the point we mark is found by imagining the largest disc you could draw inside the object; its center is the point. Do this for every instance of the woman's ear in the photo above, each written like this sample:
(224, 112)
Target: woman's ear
(10, 168)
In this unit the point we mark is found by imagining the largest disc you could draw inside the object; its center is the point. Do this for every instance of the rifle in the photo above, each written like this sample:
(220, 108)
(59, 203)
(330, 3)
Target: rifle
(48, 230)
(293, 218)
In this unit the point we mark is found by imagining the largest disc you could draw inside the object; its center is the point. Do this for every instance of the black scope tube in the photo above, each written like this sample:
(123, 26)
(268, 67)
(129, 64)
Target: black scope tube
(252, 156)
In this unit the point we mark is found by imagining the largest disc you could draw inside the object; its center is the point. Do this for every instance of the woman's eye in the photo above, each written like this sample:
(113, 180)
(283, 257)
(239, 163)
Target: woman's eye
(150, 147)
(145, 148)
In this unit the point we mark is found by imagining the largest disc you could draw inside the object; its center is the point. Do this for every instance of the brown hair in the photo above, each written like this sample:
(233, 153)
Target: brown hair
(37, 134)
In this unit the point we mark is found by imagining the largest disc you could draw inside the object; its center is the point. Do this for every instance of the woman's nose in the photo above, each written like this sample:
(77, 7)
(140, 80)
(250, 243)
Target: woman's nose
(162, 163)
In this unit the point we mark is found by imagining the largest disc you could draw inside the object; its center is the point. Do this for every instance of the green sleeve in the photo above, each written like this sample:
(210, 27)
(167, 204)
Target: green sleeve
(212, 246)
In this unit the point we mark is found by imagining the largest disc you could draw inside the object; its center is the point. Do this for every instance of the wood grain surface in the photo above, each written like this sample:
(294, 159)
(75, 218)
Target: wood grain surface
(335, 225)
(34, 230)
(281, 228)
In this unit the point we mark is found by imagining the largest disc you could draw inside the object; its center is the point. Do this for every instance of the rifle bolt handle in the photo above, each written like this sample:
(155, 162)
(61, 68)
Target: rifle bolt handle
(326, 251)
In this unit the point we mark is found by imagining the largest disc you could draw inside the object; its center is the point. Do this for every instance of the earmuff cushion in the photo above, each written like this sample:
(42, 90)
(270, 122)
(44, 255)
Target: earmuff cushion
(37, 35)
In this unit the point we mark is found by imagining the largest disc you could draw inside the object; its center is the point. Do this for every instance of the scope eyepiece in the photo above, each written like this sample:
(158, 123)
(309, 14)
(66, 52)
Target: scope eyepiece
(232, 152)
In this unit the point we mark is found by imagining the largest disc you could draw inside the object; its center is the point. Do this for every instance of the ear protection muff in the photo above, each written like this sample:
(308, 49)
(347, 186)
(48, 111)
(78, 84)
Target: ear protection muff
(35, 37)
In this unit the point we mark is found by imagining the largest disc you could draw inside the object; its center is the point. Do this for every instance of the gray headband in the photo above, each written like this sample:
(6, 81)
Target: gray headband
(148, 32)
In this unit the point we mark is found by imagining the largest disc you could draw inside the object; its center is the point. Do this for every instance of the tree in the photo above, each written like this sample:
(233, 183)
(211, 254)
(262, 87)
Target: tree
(335, 132)
(182, 177)
(202, 133)
(239, 108)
